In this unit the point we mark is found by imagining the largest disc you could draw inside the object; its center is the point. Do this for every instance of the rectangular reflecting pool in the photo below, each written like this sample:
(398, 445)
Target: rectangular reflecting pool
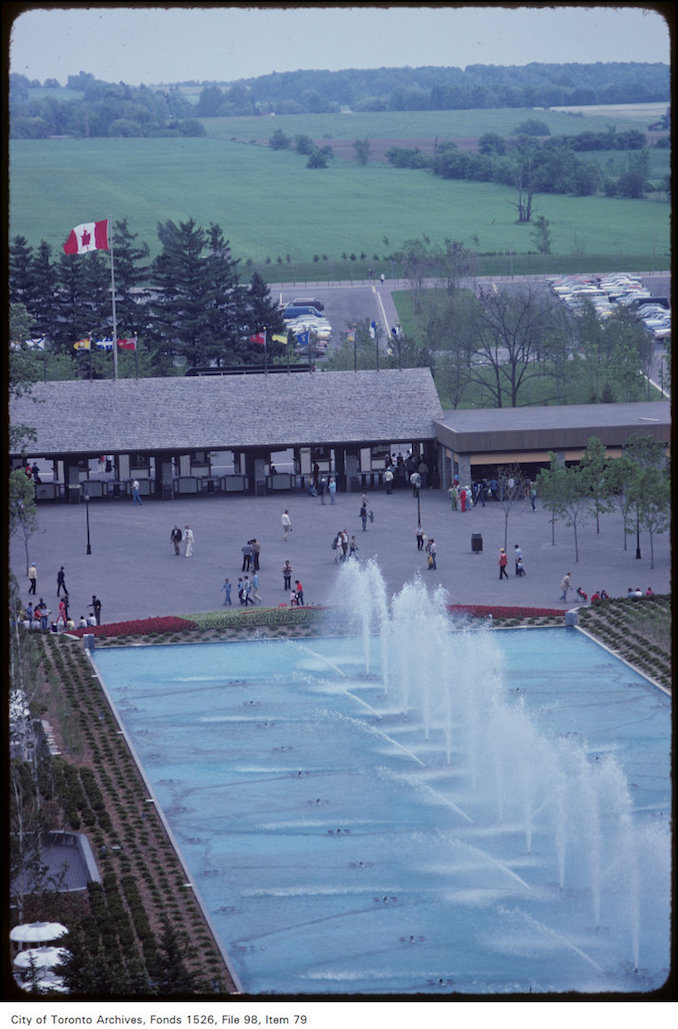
(413, 811)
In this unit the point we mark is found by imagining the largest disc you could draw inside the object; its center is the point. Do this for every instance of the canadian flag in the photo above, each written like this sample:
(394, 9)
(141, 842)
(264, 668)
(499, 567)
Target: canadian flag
(90, 236)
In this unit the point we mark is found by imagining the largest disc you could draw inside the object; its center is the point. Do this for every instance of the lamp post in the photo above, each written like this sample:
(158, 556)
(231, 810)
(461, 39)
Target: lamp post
(638, 555)
(86, 499)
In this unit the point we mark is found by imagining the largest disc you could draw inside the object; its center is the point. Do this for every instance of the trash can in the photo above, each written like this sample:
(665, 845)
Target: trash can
(476, 543)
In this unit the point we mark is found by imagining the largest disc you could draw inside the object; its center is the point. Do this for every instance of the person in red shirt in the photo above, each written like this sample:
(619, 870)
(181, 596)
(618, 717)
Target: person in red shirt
(299, 593)
(503, 561)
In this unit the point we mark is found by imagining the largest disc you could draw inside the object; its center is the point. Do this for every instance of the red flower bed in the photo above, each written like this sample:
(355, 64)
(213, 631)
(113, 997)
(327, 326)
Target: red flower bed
(482, 611)
(140, 627)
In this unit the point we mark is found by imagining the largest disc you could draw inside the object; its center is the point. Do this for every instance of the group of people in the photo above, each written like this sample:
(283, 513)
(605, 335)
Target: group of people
(344, 547)
(319, 485)
(634, 593)
(411, 470)
(428, 545)
(37, 616)
(296, 592)
(518, 562)
(251, 555)
(177, 537)
(463, 498)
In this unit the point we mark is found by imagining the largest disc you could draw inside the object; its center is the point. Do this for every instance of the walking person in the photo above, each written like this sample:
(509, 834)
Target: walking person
(503, 561)
(565, 586)
(287, 575)
(388, 479)
(299, 593)
(353, 549)
(256, 554)
(518, 556)
(332, 489)
(175, 539)
(136, 499)
(363, 514)
(533, 497)
(33, 579)
(61, 581)
(188, 540)
(286, 525)
(96, 609)
(431, 560)
(227, 593)
(246, 551)
(255, 588)
(420, 538)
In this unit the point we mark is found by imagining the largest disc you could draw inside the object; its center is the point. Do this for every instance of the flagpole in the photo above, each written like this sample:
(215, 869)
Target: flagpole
(115, 323)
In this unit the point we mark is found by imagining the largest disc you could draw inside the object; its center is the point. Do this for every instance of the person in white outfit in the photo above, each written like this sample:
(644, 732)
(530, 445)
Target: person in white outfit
(188, 540)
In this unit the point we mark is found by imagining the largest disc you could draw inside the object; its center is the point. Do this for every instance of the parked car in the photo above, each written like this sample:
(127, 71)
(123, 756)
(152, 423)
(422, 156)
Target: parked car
(322, 329)
(306, 302)
(295, 311)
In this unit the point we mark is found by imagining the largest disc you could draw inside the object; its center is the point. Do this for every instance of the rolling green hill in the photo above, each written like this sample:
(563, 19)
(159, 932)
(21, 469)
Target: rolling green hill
(271, 206)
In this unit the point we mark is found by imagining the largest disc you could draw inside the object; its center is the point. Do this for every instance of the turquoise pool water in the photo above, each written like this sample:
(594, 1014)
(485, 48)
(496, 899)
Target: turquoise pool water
(407, 813)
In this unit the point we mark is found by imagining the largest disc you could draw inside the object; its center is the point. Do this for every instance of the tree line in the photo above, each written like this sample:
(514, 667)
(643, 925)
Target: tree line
(445, 89)
(88, 106)
(550, 165)
(187, 307)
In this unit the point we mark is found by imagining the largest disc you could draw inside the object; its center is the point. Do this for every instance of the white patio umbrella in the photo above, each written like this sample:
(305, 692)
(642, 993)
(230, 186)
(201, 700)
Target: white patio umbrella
(40, 957)
(37, 932)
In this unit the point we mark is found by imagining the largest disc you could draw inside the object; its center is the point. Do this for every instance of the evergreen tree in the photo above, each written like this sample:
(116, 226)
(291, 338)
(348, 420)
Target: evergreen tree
(129, 273)
(84, 299)
(227, 311)
(262, 312)
(20, 272)
(186, 297)
(45, 292)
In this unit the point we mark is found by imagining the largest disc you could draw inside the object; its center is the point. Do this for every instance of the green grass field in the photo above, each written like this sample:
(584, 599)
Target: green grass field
(428, 124)
(271, 206)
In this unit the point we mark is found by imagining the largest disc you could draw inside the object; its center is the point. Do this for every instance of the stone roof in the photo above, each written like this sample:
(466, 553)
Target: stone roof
(229, 412)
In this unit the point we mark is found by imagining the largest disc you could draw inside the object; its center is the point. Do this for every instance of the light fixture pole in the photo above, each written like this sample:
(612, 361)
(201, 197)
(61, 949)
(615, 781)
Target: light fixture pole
(86, 499)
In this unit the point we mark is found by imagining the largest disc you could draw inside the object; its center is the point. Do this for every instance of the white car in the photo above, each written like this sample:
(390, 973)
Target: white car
(321, 328)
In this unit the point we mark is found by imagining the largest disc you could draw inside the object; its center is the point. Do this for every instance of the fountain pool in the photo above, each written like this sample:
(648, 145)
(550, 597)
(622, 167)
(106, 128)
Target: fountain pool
(410, 809)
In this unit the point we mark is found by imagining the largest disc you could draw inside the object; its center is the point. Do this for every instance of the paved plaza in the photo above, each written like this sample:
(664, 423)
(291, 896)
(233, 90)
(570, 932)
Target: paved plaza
(133, 568)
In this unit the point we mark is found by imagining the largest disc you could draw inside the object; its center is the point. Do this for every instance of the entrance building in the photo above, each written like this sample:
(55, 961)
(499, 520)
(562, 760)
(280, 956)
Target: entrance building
(258, 434)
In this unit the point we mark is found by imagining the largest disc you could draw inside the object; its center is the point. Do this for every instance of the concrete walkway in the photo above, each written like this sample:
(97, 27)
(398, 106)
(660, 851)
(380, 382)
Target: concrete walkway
(134, 570)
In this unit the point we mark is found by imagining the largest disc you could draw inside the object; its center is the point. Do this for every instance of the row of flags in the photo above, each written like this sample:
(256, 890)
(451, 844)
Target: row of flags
(105, 344)
(260, 337)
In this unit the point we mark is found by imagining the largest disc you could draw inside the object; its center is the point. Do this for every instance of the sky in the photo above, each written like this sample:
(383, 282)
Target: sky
(153, 44)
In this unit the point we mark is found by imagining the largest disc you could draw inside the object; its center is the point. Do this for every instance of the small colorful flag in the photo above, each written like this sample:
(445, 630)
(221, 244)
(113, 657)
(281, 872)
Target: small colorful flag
(259, 337)
(90, 236)
(279, 338)
(128, 344)
(83, 344)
